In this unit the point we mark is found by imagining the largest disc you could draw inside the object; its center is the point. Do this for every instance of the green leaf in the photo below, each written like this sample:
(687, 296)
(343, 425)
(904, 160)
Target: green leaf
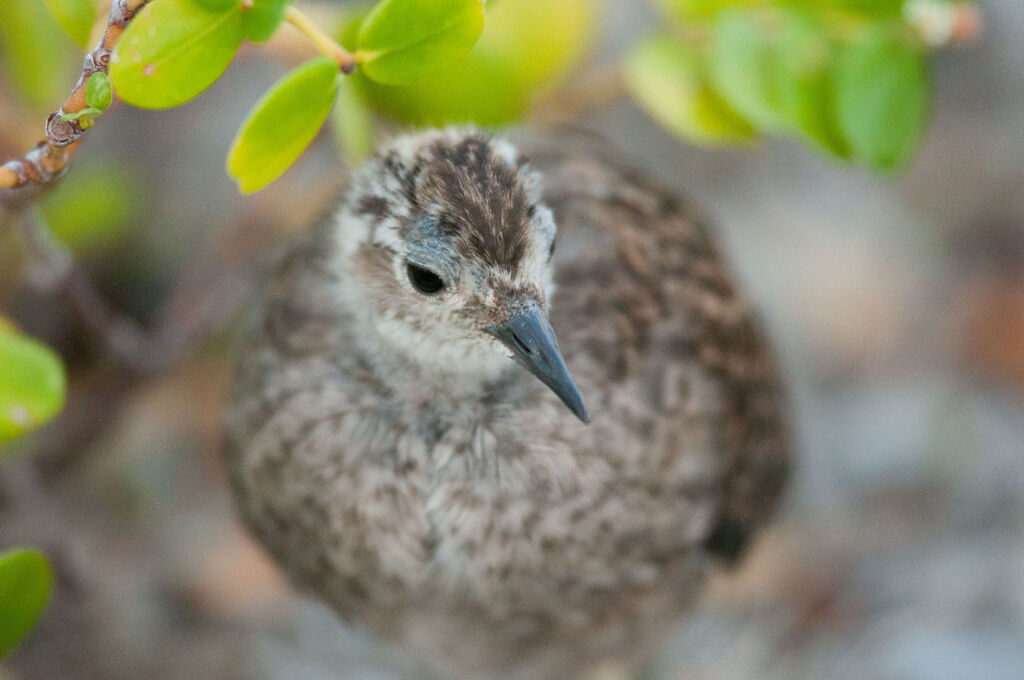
(882, 98)
(689, 10)
(76, 17)
(352, 123)
(515, 61)
(37, 55)
(668, 80)
(98, 91)
(216, 5)
(263, 19)
(744, 66)
(32, 383)
(25, 582)
(401, 41)
(172, 51)
(88, 113)
(806, 57)
(282, 124)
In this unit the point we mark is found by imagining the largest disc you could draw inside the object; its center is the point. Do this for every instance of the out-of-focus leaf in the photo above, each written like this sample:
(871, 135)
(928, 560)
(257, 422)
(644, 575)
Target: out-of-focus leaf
(282, 124)
(92, 208)
(31, 384)
(216, 5)
(25, 582)
(805, 53)
(263, 19)
(76, 17)
(401, 41)
(668, 80)
(688, 10)
(352, 123)
(515, 61)
(882, 97)
(745, 67)
(172, 51)
(37, 54)
(98, 90)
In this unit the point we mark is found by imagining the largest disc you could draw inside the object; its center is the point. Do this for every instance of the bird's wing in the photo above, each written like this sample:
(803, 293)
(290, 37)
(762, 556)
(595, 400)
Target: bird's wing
(643, 299)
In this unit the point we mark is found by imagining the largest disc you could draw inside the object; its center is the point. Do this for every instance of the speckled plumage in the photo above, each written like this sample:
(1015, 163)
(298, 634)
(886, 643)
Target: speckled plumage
(391, 457)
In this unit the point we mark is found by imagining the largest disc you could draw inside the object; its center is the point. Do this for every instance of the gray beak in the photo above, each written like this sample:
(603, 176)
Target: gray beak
(532, 341)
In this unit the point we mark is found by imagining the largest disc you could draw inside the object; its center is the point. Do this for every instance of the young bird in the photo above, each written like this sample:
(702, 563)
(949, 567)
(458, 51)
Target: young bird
(386, 448)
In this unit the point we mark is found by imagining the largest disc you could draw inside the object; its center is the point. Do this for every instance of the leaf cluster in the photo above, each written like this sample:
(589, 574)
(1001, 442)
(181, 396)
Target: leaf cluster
(849, 76)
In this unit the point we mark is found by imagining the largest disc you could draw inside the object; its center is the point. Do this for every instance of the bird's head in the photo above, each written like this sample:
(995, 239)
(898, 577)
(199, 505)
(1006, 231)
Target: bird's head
(445, 237)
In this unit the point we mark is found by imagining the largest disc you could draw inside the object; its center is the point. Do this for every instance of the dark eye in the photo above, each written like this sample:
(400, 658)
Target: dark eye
(423, 280)
(551, 250)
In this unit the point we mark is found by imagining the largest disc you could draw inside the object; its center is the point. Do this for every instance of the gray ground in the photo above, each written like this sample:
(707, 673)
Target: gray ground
(898, 308)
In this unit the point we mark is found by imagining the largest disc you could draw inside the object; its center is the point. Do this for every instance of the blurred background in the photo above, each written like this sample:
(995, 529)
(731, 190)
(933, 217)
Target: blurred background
(896, 304)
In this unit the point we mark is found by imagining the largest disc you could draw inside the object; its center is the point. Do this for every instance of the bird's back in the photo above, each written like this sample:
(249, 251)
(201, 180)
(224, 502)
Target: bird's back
(498, 534)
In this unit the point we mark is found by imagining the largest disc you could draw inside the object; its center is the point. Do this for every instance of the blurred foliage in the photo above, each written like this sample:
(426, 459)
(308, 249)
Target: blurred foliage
(38, 56)
(850, 75)
(25, 582)
(91, 209)
(76, 17)
(516, 59)
(32, 383)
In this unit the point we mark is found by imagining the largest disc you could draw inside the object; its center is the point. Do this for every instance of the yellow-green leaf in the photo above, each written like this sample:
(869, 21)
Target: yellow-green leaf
(76, 17)
(172, 51)
(282, 124)
(37, 55)
(401, 41)
(31, 383)
(667, 78)
(264, 18)
(515, 61)
(25, 582)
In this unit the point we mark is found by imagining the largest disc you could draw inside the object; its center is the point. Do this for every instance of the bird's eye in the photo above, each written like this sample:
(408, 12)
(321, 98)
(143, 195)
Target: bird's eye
(423, 280)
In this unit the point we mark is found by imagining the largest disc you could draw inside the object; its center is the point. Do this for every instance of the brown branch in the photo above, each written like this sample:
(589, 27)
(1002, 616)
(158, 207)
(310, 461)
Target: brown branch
(23, 178)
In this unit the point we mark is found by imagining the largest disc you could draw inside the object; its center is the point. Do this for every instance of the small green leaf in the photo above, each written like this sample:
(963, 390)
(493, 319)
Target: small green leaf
(400, 41)
(668, 80)
(172, 51)
(88, 113)
(98, 91)
(37, 55)
(25, 582)
(31, 383)
(282, 124)
(882, 98)
(263, 19)
(76, 17)
(744, 66)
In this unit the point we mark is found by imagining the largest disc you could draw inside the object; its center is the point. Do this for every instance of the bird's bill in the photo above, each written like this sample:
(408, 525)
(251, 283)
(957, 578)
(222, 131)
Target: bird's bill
(530, 338)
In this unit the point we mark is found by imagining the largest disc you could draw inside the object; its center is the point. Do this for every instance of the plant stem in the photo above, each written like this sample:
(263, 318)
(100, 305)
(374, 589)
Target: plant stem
(323, 42)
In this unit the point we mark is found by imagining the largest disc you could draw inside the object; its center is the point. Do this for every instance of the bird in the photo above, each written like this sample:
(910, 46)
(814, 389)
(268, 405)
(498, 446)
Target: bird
(506, 409)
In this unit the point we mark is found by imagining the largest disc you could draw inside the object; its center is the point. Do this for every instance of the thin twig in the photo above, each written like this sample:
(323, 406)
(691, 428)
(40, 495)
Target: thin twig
(324, 43)
(23, 178)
